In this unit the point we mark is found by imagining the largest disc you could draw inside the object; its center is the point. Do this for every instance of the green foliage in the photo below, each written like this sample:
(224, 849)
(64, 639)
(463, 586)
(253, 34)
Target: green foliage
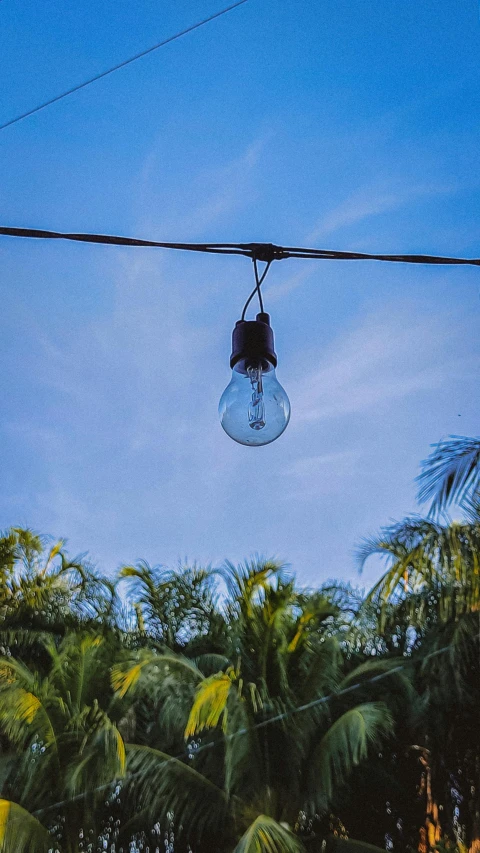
(265, 835)
(20, 832)
(451, 474)
(174, 606)
(162, 784)
(62, 724)
(42, 590)
(344, 746)
(231, 711)
(434, 573)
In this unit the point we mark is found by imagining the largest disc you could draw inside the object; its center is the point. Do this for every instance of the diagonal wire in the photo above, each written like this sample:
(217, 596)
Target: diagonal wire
(122, 64)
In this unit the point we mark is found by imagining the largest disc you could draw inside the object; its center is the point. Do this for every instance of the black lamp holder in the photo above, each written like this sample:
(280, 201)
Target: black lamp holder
(252, 342)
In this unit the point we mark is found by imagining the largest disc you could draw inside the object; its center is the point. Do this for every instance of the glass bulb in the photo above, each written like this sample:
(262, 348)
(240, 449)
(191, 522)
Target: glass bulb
(254, 408)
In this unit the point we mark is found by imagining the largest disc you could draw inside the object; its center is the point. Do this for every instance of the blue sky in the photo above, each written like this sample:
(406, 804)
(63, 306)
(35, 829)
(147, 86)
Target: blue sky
(341, 124)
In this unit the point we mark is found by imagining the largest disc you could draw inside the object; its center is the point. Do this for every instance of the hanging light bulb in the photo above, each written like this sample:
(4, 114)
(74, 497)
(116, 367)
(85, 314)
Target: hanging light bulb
(254, 408)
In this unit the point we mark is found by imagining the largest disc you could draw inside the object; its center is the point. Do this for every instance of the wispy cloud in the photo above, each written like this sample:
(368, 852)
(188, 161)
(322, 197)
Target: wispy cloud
(207, 195)
(313, 466)
(322, 474)
(277, 290)
(388, 357)
(373, 200)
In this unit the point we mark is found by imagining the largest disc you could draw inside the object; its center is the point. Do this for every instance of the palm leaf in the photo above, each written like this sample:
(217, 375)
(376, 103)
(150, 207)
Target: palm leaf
(162, 785)
(23, 709)
(245, 581)
(426, 556)
(102, 759)
(126, 675)
(265, 835)
(451, 474)
(20, 832)
(343, 747)
(318, 669)
(210, 704)
(210, 663)
(397, 681)
(54, 551)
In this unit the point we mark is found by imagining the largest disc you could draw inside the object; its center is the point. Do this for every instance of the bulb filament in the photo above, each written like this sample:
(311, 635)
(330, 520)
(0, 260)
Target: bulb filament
(256, 408)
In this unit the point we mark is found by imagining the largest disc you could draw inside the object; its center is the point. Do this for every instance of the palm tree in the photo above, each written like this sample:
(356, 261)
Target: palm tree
(251, 753)
(433, 572)
(43, 590)
(428, 604)
(66, 750)
(174, 608)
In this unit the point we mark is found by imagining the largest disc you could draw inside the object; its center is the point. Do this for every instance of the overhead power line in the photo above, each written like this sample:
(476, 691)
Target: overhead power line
(122, 64)
(267, 252)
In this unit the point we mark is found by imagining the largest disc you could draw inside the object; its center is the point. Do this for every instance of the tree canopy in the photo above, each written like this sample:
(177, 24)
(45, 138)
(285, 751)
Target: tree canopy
(194, 709)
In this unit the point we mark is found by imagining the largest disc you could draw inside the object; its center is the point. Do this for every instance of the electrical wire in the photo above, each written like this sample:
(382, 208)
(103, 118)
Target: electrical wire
(257, 289)
(260, 725)
(266, 252)
(259, 282)
(110, 240)
(122, 64)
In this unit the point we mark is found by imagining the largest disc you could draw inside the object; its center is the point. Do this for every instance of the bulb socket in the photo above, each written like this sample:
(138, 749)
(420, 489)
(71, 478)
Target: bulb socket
(252, 341)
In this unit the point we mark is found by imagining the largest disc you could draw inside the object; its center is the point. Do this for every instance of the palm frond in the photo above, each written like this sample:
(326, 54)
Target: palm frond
(451, 474)
(343, 747)
(398, 540)
(371, 669)
(20, 832)
(250, 578)
(54, 551)
(442, 560)
(316, 609)
(102, 759)
(126, 675)
(317, 669)
(242, 762)
(210, 663)
(266, 835)
(23, 704)
(210, 704)
(163, 785)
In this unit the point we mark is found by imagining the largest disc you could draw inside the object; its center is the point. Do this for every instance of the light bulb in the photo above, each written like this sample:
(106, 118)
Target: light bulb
(254, 408)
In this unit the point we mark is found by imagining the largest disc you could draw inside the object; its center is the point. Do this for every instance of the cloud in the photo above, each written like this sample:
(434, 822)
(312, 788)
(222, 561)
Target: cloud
(373, 200)
(208, 194)
(390, 356)
(323, 474)
(313, 466)
(277, 291)
(127, 425)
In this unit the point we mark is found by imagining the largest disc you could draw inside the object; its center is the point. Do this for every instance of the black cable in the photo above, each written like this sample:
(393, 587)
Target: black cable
(266, 252)
(122, 64)
(258, 283)
(110, 240)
